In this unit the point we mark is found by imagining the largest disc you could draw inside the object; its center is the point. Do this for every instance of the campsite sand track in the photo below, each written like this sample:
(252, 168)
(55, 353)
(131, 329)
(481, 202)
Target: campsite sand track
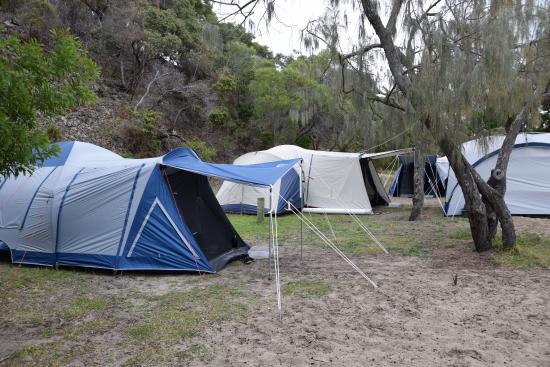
(416, 317)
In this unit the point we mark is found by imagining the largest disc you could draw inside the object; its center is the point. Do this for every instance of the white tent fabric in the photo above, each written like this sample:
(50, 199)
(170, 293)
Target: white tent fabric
(249, 194)
(442, 165)
(333, 181)
(528, 174)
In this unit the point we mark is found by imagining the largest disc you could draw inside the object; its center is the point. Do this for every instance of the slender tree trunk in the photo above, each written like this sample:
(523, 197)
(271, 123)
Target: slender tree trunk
(122, 76)
(477, 214)
(418, 197)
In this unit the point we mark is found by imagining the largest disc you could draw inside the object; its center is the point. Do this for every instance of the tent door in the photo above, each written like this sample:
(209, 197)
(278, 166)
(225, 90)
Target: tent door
(373, 184)
(202, 213)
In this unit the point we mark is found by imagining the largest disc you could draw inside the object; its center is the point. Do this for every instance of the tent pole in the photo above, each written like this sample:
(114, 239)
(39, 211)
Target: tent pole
(270, 232)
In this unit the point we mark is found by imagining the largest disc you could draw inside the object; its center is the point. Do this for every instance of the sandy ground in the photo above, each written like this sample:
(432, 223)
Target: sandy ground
(417, 317)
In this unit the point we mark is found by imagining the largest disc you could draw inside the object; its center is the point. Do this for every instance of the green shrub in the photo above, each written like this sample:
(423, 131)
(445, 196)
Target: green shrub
(142, 136)
(35, 80)
(205, 152)
(54, 133)
(226, 84)
(220, 116)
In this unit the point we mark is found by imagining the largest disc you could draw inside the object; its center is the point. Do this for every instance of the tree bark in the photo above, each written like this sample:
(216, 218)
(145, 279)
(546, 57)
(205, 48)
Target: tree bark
(477, 214)
(418, 197)
(497, 208)
(494, 190)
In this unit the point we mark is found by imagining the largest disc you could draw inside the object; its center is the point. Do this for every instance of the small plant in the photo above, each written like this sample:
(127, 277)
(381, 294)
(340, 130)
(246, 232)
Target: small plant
(142, 136)
(225, 84)
(54, 133)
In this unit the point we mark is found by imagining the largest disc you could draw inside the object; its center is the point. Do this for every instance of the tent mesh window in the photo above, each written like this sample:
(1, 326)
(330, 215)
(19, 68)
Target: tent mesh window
(202, 213)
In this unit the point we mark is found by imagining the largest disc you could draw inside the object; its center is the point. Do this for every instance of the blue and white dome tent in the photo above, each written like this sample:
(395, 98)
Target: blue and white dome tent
(527, 177)
(90, 207)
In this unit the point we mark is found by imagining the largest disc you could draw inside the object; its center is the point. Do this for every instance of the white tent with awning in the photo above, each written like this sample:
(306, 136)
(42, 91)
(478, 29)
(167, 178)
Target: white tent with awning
(332, 182)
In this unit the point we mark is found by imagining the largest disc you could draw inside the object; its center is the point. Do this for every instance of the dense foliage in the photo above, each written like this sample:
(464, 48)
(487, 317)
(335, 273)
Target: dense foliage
(34, 81)
(187, 78)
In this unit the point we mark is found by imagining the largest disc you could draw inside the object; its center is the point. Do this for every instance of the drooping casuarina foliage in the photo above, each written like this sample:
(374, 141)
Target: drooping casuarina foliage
(461, 69)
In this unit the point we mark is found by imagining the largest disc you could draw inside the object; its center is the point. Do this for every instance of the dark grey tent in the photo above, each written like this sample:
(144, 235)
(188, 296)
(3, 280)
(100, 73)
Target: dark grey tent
(403, 181)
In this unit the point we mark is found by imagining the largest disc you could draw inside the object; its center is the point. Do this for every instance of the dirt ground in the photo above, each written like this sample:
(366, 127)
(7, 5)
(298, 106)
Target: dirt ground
(417, 317)
(446, 305)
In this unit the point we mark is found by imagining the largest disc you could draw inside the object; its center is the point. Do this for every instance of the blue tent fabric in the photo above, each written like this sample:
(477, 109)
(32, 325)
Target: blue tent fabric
(393, 187)
(126, 214)
(263, 174)
(156, 246)
(66, 147)
(289, 191)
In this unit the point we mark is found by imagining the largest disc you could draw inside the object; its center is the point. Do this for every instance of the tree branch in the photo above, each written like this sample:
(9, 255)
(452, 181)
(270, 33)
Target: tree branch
(391, 25)
(155, 78)
(391, 52)
(499, 173)
(361, 51)
(240, 8)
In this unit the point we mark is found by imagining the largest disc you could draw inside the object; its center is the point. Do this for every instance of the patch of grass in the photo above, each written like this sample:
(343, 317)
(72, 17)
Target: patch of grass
(414, 250)
(307, 288)
(531, 251)
(146, 357)
(194, 352)
(180, 315)
(461, 234)
(28, 315)
(144, 330)
(31, 296)
(403, 245)
(47, 354)
(86, 328)
(82, 306)
(349, 235)
(34, 279)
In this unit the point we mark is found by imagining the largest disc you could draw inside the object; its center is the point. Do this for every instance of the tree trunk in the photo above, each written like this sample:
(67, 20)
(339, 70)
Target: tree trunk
(484, 201)
(496, 211)
(477, 214)
(494, 190)
(418, 197)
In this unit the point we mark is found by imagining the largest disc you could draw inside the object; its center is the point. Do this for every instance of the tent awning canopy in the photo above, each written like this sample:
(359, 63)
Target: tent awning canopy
(262, 174)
